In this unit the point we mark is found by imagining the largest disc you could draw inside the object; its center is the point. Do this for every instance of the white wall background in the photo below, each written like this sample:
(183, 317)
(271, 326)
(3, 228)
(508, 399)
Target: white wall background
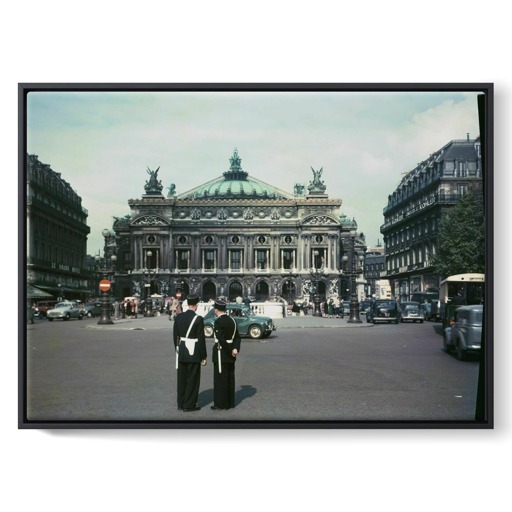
(228, 41)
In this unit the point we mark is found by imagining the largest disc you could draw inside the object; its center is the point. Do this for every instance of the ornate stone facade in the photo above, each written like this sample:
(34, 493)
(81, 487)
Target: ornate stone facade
(233, 236)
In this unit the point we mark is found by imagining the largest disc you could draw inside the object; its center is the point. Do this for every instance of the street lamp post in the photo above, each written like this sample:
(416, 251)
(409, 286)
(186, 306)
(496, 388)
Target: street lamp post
(149, 275)
(105, 271)
(316, 273)
(353, 271)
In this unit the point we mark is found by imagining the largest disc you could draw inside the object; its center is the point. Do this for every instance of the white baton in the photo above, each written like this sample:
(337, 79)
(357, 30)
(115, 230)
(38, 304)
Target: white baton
(177, 350)
(218, 352)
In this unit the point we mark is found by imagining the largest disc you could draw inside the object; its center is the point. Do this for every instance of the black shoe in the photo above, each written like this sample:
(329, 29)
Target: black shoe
(192, 409)
(215, 408)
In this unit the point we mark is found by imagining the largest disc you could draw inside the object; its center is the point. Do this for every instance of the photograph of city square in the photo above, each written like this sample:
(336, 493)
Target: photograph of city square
(344, 230)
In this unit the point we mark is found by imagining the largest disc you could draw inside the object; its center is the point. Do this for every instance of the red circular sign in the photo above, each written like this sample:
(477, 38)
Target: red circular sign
(104, 285)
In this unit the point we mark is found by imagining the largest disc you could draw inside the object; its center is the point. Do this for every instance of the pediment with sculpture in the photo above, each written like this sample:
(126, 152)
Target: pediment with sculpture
(149, 220)
(320, 220)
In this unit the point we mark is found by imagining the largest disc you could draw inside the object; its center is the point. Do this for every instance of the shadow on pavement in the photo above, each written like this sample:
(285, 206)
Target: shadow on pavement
(245, 392)
(206, 397)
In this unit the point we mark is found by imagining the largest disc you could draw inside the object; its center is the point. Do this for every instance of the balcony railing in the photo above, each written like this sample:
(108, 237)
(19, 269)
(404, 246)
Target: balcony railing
(434, 200)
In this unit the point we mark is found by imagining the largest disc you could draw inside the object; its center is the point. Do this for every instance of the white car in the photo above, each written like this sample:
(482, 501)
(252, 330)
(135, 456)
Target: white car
(65, 310)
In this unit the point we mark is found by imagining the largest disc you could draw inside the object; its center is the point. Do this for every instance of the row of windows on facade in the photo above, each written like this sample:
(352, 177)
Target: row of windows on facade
(44, 177)
(459, 169)
(410, 232)
(455, 191)
(57, 234)
(236, 259)
(411, 257)
(54, 185)
(79, 216)
(374, 266)
(235, 239)
(64, 255)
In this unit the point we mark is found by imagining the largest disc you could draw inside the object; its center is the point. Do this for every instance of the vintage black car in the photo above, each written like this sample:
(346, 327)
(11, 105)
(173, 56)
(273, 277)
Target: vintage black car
(412, 312)
(464, 336)
(92, 309)
(385, 310)
(364, 305)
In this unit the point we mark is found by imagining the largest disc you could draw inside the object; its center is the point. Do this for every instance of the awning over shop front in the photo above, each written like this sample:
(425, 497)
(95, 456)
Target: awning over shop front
(36, 293)
(65, 289)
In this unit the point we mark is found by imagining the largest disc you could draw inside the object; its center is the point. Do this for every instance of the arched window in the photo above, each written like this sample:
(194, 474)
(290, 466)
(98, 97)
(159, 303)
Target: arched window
(209, 291)
(235, 290)
(262, 291)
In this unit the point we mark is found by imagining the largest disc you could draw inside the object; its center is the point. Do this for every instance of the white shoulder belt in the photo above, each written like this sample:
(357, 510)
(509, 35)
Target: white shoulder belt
(190, 343)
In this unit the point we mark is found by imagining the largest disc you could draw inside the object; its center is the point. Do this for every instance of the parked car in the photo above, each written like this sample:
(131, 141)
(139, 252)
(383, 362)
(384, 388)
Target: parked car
(364, 306)
(435, 314)
(92, 309)
(465, 333)
(383, 310)
(412, 312)
(247, 322)
(65, 310)
(43, 306)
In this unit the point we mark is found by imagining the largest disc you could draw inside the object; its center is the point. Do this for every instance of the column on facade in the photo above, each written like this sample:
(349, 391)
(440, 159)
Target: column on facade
(136, 253)
(195, 256)
(334, 245)
(171, 256)
(248, 252)
(333, 252)
(309, 249)
(221, 252)
(277, 248)
(300, 249)
(271, 253)
(305, 253)
(245, 254)
(328, 259)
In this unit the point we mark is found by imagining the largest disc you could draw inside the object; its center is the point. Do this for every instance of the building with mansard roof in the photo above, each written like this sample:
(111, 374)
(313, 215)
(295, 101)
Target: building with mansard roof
(234, 236)
(414, 211)
(56, 233)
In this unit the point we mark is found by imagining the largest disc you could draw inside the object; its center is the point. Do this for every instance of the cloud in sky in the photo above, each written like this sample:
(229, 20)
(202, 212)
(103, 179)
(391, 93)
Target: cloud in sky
(103, 142)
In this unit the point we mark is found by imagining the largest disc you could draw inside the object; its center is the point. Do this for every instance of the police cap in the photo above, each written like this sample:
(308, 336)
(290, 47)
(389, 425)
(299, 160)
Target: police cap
(192, 299)
(220, 305)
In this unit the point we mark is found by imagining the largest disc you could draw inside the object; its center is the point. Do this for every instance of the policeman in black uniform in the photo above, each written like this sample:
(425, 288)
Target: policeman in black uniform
(225, 350)
(190, 345)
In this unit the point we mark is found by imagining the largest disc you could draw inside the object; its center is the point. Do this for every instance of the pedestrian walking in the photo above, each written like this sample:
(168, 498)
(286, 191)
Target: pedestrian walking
(225, 350)
(173, 307)
(190, 345)
(330, 308)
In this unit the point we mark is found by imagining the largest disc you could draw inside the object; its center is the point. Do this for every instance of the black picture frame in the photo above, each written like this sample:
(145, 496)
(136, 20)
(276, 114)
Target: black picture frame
(484, 413)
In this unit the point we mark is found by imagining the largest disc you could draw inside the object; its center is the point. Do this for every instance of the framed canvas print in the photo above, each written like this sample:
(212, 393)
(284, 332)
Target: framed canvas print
(255, 255)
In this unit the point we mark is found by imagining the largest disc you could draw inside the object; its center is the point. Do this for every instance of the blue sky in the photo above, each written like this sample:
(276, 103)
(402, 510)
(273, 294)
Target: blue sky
(103, 142)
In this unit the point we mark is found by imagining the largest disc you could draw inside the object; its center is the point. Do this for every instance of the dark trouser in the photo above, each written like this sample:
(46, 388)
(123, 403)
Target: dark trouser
(189, 378)
(224, 386)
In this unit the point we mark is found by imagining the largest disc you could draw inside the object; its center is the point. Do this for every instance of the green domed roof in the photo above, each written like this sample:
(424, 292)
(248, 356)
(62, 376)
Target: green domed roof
(235, 184)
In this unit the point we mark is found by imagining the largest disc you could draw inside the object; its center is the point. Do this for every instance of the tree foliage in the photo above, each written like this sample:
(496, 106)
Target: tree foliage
(461, 247)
